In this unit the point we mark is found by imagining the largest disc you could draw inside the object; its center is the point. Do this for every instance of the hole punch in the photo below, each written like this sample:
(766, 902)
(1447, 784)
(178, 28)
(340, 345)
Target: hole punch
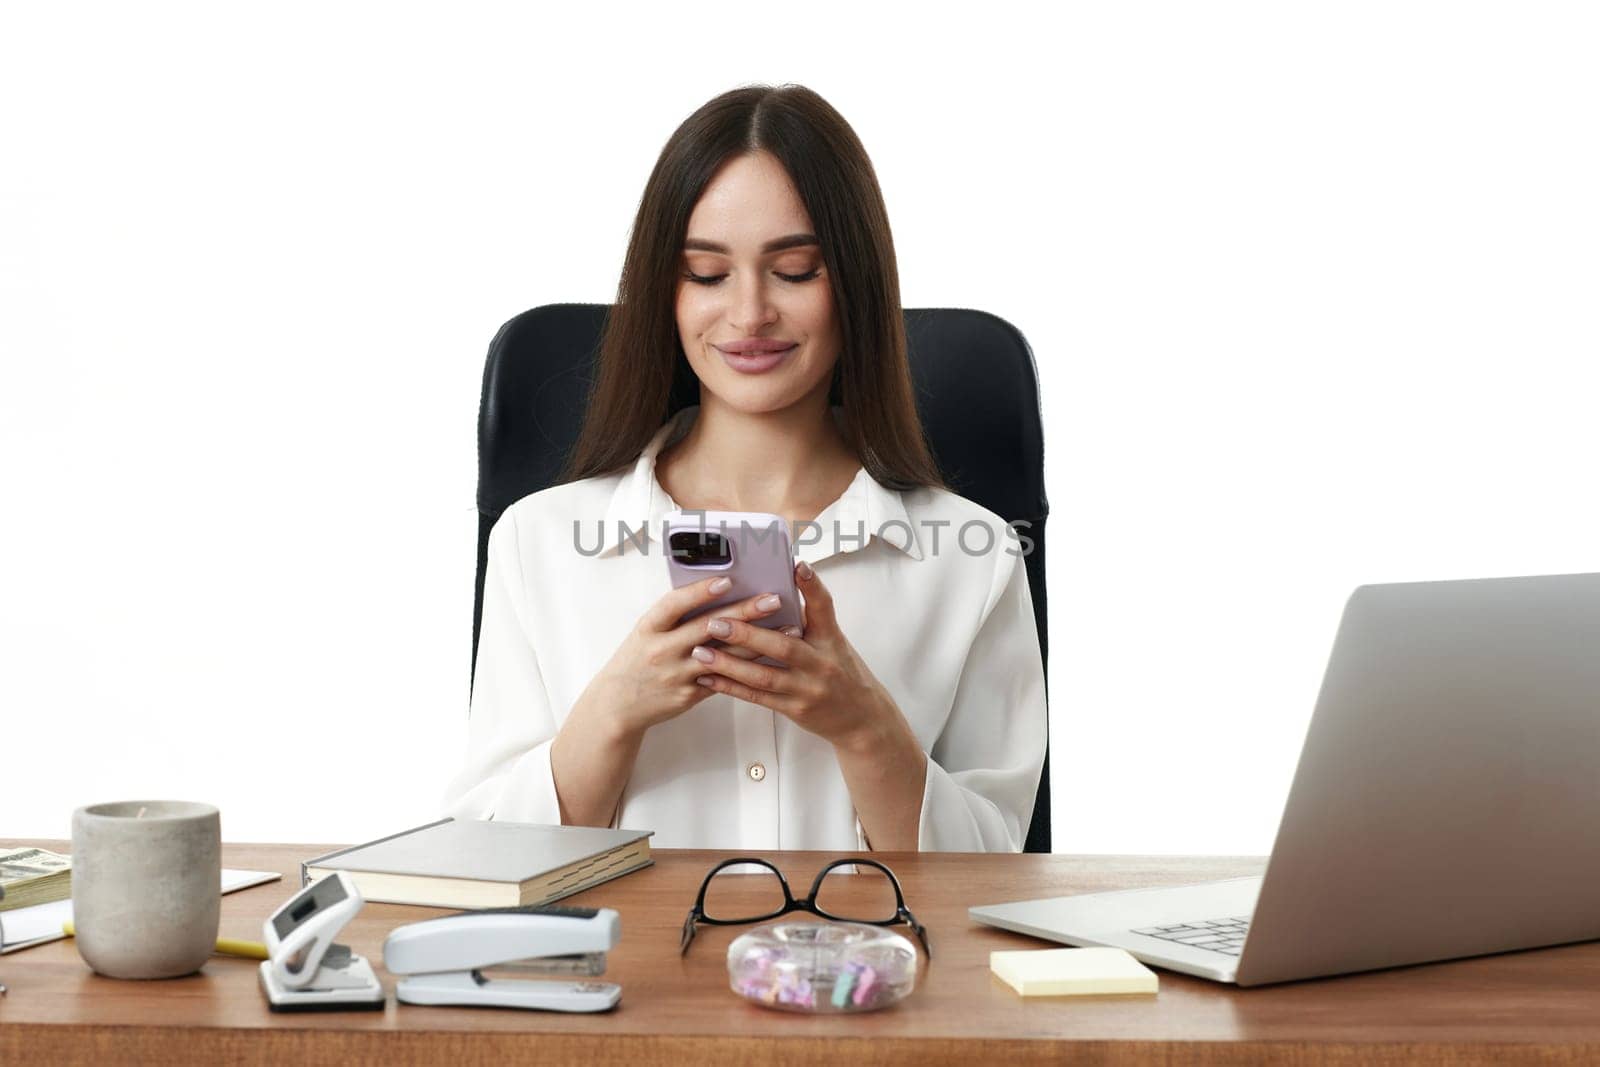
(305, 969)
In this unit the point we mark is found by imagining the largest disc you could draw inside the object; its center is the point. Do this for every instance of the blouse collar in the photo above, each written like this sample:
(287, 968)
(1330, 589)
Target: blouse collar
(865, 508)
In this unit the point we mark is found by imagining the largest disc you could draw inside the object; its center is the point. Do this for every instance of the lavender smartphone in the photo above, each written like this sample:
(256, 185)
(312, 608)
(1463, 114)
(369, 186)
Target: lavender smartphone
(750, 547)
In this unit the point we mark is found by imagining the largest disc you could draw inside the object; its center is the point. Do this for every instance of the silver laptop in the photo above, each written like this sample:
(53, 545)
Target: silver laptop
(1447, 801)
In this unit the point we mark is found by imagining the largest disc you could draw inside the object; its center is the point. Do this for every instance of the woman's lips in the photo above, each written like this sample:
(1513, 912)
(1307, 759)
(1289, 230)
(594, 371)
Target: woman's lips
(756, 362)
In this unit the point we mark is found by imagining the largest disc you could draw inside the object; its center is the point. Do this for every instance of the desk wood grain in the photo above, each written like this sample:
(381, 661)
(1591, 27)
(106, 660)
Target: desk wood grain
(1539, 1006)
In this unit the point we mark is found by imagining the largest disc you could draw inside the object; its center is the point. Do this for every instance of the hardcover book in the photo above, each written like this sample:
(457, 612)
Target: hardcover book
(474, 863)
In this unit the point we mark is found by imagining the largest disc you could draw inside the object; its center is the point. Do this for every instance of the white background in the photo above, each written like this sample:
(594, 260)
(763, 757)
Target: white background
(1312, 291)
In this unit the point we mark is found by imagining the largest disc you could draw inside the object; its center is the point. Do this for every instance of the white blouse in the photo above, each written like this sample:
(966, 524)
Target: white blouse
(928, 587)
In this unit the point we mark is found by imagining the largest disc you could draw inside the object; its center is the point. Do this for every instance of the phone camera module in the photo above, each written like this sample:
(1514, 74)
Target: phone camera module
(695, 548)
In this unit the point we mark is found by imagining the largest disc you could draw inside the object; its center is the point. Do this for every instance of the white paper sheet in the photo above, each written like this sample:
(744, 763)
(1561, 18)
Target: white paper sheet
(26, 927)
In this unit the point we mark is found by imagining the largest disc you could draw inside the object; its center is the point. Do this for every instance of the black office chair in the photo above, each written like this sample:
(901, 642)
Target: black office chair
(977, 392)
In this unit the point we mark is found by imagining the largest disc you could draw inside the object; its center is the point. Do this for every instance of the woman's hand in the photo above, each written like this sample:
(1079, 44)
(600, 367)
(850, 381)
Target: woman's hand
(825, 687)
(650, 677)
(648, 680)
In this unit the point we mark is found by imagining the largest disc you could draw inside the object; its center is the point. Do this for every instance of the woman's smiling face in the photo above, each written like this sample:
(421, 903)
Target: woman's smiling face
(753, 279)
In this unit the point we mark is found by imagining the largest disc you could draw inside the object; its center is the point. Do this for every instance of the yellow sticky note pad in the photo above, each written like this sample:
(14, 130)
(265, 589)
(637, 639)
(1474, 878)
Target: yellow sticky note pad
(1059, 972)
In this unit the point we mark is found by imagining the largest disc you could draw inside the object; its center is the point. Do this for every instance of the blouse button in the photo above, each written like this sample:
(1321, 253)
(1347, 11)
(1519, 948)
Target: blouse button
(757, 772)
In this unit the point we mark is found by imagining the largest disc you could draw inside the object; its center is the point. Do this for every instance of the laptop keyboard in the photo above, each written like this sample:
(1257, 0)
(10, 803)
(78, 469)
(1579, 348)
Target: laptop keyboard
(1218, 935)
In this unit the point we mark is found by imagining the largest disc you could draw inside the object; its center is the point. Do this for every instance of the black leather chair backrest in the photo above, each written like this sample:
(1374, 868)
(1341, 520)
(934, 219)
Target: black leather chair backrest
(977, 393)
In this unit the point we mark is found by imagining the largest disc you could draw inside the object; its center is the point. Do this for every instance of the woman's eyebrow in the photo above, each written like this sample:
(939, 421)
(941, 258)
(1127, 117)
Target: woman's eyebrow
(794, 240)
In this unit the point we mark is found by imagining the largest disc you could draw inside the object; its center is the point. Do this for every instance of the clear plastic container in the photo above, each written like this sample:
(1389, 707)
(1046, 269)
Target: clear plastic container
(822, 966)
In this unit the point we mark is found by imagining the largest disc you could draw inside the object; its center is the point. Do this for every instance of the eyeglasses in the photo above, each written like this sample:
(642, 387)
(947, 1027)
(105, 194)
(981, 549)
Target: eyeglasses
(848, 900)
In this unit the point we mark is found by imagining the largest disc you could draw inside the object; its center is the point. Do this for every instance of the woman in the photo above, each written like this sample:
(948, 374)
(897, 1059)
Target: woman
(910, 712)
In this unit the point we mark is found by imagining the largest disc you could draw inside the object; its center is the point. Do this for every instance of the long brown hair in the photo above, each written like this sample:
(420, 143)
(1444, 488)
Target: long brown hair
(643, 375)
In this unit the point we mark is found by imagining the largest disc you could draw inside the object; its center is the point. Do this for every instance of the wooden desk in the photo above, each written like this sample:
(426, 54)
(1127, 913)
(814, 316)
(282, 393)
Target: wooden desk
(1540, 1006)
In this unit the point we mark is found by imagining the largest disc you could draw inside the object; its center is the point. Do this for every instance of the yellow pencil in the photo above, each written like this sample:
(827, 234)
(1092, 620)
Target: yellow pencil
(254, 950)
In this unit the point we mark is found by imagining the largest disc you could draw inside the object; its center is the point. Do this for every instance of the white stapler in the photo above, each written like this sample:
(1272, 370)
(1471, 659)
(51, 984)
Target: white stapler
(445, 958)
